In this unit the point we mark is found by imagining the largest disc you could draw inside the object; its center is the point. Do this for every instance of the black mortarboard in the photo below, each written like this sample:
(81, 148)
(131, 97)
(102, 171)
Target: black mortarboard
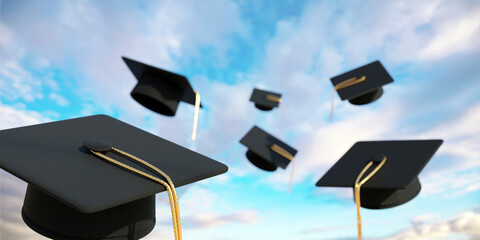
(395, 183)
(266, 151)
(73, 194)
(159, 90)
(265, 100)
(362, 85)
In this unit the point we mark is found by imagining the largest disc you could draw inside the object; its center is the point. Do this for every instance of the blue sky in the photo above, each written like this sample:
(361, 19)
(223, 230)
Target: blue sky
(62, 59)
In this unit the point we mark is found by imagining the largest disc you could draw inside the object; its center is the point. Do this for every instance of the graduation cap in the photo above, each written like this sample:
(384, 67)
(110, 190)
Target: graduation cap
(362, 85)
(395, 183)
(266, 151)
(161, 91)
(75, 193)
(265, 100)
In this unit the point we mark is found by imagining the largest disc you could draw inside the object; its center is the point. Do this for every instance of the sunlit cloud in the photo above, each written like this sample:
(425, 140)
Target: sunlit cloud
(467, 223)
(207, 220)
(17, 117)
(59, 99)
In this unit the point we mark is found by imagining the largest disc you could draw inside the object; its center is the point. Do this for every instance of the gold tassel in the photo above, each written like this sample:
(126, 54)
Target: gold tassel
(284, 153)
(359, 184)
(347, 83)
(172, 194)
(195, 116)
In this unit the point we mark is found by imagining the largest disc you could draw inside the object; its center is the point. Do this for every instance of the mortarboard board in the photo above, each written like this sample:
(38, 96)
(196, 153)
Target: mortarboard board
(362, 85)
(73, 194)
(266, 151)
(395, 183)
(265, 100)
(159, 90)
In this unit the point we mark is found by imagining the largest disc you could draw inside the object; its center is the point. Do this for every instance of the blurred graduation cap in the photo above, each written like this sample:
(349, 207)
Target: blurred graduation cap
(161, 91)
(75, 193)
(265, 100)
(362, 85)
(266, 151)
(395, 183)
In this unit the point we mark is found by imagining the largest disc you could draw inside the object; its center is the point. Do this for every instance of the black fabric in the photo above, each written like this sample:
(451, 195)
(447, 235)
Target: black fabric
(258, 142)
(54, 219)
(159, 96)
(259, 97)
(51, 157)
(73, 194)
(367, 97)
(260, 162)
(367, 91)
(159, 90)
(388, 198)
(395, 183)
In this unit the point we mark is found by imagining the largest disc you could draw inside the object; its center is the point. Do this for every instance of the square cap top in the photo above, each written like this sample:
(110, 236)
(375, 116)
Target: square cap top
(140, 69)
(259, 142)
(265, 100)
(51, 157)
(405, 160)
(375, 77)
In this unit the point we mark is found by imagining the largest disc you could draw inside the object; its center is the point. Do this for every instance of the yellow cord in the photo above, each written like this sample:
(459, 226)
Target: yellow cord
(284, 153)
(290, 183)
(359, 184)
(273, 98)
(347, 83)
(172, 194)
(195, 117)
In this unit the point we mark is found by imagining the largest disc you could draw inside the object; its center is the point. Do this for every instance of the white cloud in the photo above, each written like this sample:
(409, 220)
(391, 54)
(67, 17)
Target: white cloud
(304, 54)
(13, 231)
(198, 196)
(14, 117)
(467, 223)
(12, 192)
(209, 219)
(326, 143)
(394, 33)
(16, 82)
(230, 115)
(92, 36)
(462, 134)
(462, 143)
(59, 99)
(12, 189)
(450, 180)
(200, 209)
(187, 25)
(454, 35)
(422, 218)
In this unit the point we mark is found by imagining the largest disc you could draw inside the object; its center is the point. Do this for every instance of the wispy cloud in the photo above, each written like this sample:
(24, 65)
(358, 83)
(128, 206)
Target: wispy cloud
(18, 117)
(467, 223)
(59, 99)
(207, 220)
(172, 29)
(354, 37)
(454, 34)
(11, 201)
(13, 189)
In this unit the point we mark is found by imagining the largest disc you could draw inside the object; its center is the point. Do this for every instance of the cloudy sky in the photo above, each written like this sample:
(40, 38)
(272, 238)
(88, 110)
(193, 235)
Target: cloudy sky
(62, 59)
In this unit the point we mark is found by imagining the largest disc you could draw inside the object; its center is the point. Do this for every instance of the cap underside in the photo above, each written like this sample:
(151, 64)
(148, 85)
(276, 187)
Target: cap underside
(259, 97)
